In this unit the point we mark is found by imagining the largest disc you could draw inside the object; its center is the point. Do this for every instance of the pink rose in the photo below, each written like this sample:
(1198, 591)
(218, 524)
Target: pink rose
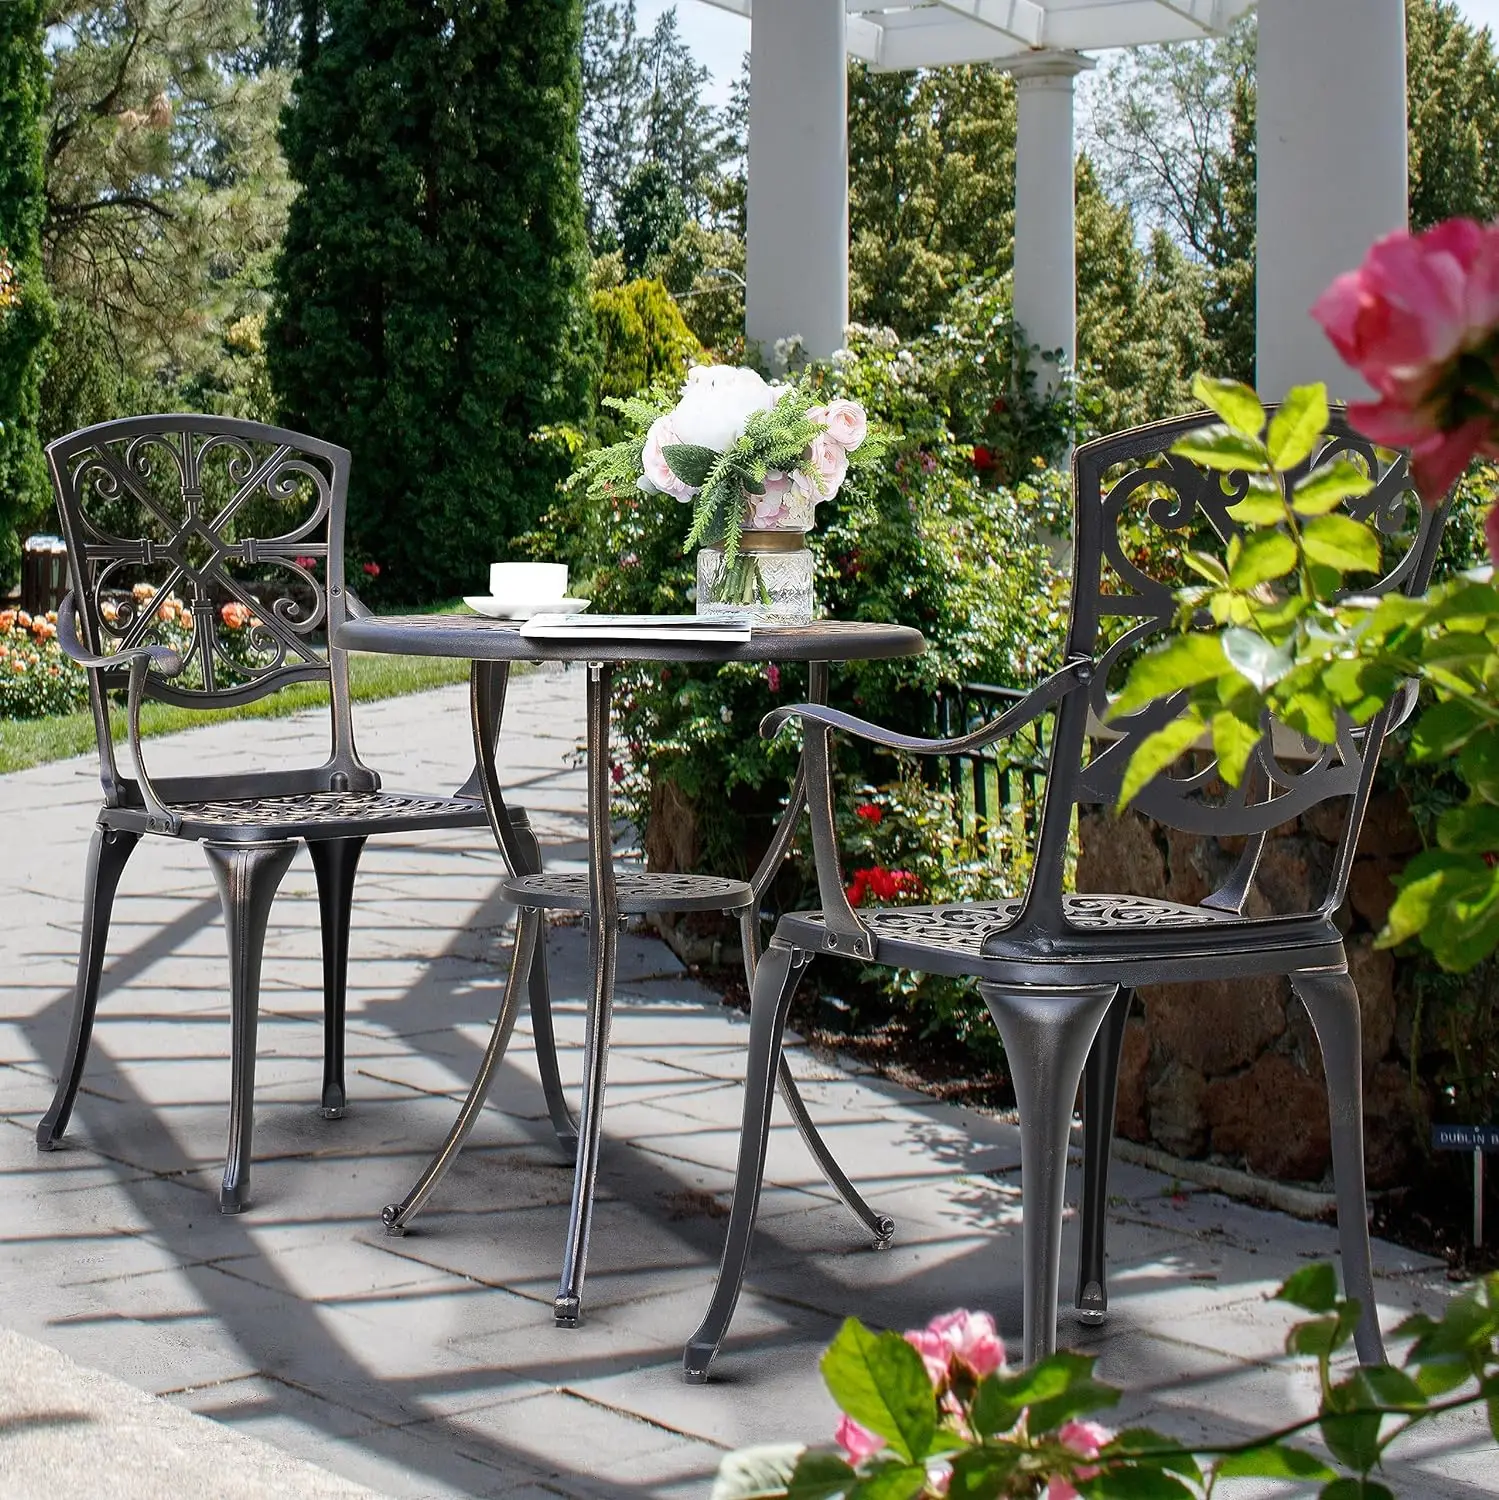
(969, 1338)
(829, 462)
(858, 1442)
(1086, 1439)
(769, 510)
(653, 461)
(845, 422)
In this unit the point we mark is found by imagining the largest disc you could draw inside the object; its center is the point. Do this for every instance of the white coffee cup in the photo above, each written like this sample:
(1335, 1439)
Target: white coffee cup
(528, 582)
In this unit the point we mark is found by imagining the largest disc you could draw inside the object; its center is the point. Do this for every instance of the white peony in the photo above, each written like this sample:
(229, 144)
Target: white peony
(717, 403)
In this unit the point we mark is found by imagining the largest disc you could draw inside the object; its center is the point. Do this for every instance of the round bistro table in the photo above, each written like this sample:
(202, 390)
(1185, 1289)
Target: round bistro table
(605, 896)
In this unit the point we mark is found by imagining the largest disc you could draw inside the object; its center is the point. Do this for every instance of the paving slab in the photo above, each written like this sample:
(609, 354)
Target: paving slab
(428, 1365)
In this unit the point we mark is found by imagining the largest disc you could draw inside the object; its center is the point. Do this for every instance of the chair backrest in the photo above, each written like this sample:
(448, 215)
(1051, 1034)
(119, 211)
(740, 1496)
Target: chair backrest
(1138, 508)
(207, 534)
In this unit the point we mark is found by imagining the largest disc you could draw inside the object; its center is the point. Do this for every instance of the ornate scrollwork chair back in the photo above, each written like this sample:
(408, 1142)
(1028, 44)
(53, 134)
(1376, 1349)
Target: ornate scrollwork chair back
(1058, 969)
(206, 537)
(206, 564)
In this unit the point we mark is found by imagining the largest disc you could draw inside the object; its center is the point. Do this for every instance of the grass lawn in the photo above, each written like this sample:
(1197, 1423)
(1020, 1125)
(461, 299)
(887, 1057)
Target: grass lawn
(30, 742)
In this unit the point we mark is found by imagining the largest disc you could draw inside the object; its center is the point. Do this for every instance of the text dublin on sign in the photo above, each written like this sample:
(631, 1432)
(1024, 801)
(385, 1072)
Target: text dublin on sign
(1465, 1137)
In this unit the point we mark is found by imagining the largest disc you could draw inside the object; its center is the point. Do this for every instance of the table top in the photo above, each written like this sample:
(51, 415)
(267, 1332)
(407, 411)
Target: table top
(479, 639)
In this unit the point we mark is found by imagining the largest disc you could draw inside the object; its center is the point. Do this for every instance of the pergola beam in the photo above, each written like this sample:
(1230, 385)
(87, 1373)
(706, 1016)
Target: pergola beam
(1022, 20)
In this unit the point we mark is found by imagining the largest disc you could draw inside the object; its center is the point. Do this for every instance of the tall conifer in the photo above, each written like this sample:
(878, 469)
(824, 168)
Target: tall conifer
(26, 325)
(430, 298)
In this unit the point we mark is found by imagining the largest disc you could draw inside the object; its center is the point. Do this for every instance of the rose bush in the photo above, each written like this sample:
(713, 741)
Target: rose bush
(937, 1412)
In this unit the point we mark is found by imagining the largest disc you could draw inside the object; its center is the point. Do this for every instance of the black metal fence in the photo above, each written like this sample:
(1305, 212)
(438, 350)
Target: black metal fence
(1000, 785)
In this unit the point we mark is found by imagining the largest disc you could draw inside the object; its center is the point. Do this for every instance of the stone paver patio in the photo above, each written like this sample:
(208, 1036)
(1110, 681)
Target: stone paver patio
(429, 1366)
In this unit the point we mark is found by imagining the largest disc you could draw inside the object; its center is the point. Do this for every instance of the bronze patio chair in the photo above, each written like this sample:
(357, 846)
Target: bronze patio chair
(1057, 970)
(194, 550)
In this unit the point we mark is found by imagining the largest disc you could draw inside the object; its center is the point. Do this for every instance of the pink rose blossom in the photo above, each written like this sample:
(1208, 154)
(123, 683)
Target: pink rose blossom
(967, 1337)
(653, 461)
(829, 462)
(845, 422)
(771, 509)
(1086, 1439)
(856, 1441)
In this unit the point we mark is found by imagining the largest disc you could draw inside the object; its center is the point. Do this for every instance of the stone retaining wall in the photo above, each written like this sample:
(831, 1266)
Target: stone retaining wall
(1231, 1070)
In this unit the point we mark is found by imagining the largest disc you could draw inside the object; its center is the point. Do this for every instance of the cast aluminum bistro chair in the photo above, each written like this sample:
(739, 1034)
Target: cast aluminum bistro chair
(1058, 971)
(223, 514)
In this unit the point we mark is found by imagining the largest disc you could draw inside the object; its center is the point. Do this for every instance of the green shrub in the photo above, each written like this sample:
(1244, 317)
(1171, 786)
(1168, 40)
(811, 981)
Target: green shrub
(642, 339)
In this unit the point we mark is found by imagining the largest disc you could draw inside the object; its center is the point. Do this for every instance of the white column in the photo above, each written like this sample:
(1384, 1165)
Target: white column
(797, 210)
(1045, 219)
(1332, 170)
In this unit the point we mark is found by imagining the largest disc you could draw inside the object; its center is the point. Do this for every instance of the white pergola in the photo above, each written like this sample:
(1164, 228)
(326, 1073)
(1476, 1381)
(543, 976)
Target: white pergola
(1331, 148)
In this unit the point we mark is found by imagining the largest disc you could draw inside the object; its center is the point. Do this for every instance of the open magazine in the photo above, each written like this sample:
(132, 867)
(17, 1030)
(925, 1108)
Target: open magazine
(726, 628)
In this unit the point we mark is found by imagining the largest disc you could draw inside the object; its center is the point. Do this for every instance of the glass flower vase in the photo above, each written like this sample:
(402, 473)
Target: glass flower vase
(770, 579)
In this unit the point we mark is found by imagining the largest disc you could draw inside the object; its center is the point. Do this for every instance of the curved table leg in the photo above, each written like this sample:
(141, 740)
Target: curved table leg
(603, 941)
(522, 855)
(398, 1216)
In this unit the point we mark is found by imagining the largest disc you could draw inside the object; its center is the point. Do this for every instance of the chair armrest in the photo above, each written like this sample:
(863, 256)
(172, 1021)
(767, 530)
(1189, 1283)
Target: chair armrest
(1035, 703)
(139, 660)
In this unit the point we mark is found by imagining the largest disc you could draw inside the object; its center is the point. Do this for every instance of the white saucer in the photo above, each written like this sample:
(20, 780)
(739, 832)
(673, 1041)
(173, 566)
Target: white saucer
(500, 609)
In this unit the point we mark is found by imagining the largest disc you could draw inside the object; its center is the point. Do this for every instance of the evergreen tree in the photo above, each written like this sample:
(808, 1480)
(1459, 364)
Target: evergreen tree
(26, 323)
(430, 310)
(609, 127)
(681, 133)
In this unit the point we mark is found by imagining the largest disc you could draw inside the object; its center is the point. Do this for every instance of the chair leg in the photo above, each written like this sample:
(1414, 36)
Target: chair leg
(775, 983)
(335, 861)
(1100, 1095)
(1047, 1034)
(540, 1000)
(247, 876)
(108, 852)
(398, 1216)
(1331, 999)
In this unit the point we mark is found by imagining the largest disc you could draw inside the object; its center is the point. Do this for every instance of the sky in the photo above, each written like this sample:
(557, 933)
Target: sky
(719, 40)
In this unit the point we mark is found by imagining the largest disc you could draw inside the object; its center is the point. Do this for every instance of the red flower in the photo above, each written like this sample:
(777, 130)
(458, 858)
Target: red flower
(372, 569)
(307, 562)
(773, 677)
(869, 812)
(1000, 406)
(884, 884)
(983, 459)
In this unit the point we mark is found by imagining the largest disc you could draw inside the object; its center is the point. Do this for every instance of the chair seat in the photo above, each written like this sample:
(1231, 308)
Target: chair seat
(1125, 940)
(310, 815)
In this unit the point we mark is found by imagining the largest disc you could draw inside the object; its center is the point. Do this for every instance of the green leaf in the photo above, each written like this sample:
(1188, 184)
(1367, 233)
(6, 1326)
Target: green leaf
(819, 1475)
(1258, 508)
(1208, 566)
(1143, 1446)
(1274, 1461)
(1341, 543)
(1384, 1385)
(1235, 402)
(1471, 828)
(1327, 486)
(1361, 688)
(1479, 764)
(1233, 744)
(1313, 1288)
(1227, 452)
(1182, 662)
(1264, 555)
(1316, 1338)
(1353, 1440)
(689, 462)
(761, 1473)
(1354, 1489)
(1260, 661)
(880, 1381)
(1443, 729)
(982, 1473)
(1426, 889)
(1157, 751)
(891, 1481)
(1297, 425)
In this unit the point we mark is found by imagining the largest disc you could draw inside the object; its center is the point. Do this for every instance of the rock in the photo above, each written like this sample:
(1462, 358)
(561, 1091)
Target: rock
(1371, 889)
(1397, 1120)
(1197, 866)
(1119, 856)
(1216, 1026)
(1134, 1062)
(1388, 827)
(1293, 874)
(1373, 971)
(1176, 1116)
(1273, 1116)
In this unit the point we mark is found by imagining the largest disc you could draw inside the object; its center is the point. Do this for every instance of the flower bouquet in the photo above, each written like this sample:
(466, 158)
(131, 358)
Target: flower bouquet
(753, 459)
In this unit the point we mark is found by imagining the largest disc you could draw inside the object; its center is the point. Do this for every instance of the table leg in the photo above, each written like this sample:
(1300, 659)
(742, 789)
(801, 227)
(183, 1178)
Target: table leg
(603, 940)
(521, 852)
(881, 1226)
